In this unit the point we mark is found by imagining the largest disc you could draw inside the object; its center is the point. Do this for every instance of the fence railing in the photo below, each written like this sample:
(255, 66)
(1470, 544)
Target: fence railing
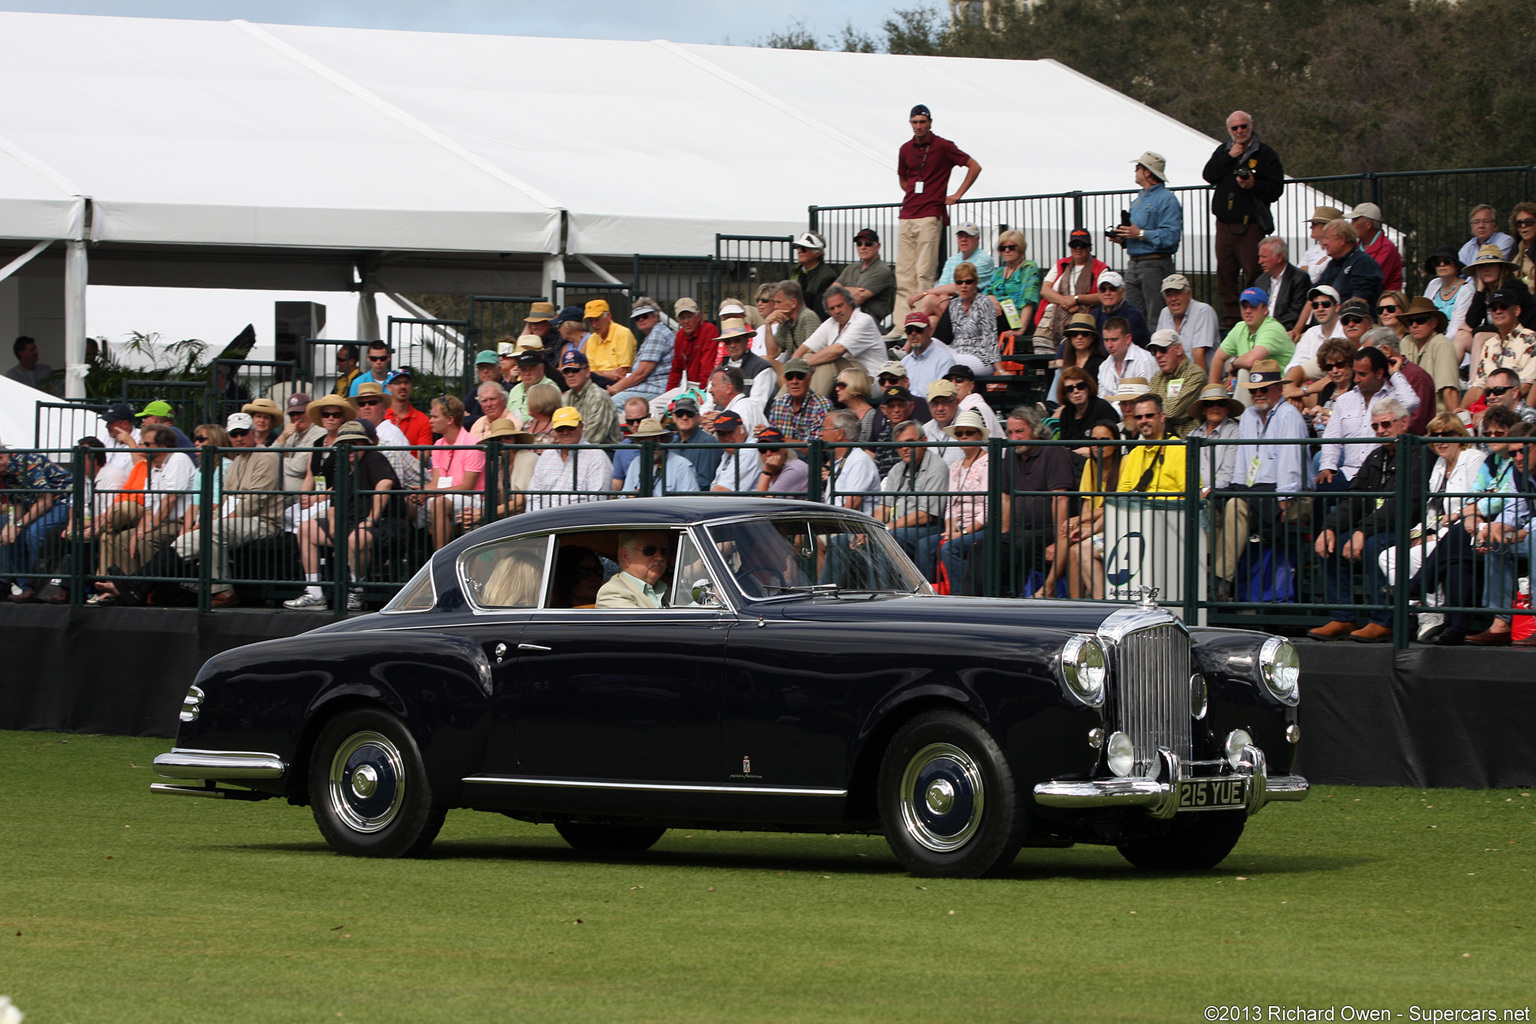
(1214, 547)
(1423, 210)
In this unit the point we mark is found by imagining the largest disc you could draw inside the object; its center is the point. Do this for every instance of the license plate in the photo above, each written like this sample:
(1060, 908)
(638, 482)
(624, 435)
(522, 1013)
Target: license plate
(1211, 794)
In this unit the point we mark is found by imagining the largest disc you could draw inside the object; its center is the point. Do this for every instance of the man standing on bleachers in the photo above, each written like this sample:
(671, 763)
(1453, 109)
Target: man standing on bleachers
(923, 166)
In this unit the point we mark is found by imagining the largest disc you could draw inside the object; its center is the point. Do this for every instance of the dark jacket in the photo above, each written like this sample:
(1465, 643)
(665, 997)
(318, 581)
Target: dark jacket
(1354, 274)
(814, 283)
(1373, 515)
(1477, 309)
(1233, 204)
(1286, 305)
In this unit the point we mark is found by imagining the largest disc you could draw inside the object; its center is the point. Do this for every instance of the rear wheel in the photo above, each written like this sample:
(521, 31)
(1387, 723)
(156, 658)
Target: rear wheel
(947, 798)
(1190, 842)
(589, 837)
(368, 787)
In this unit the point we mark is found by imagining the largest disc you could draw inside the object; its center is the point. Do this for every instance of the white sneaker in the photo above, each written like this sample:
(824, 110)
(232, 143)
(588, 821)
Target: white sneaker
(355, 599)
(305, 602)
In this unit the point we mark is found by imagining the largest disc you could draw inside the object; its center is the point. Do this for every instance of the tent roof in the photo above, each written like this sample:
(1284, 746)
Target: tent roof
(228, 133)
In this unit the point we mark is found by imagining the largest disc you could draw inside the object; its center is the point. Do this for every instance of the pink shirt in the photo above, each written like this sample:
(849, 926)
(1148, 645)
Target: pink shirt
(454, 464)
(967, 512)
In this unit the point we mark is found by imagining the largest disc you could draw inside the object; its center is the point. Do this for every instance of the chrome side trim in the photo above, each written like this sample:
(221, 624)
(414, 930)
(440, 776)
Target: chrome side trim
(1288, 787)
(167, 789)
(183, 763)
(652, 787)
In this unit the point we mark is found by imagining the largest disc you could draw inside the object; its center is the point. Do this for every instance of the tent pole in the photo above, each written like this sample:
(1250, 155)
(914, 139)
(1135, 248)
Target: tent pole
(76, 273)
(554, 270)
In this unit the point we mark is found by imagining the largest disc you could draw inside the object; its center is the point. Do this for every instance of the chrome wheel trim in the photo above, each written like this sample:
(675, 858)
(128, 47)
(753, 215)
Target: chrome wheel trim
(366, 784)
(942, 797)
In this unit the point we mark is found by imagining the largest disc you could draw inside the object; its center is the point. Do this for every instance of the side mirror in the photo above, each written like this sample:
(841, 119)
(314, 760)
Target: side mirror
(703, 593)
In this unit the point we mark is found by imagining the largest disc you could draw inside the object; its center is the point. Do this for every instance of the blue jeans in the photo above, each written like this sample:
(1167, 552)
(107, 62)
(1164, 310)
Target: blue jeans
(1339, 577)
(18, 557)
(1503, 564)
(955, 555)
(921, 543)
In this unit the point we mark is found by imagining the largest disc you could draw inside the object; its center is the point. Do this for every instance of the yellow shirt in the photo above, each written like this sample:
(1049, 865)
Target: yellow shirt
(1167, 472)
(607, 353)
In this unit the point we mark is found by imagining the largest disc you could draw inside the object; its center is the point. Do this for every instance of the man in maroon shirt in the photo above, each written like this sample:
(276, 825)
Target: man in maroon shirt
(923, 166)
(1366, 219)
(696, 351)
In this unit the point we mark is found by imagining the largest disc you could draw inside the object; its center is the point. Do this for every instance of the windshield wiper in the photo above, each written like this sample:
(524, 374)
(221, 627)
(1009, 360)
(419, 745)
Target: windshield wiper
(805, 588)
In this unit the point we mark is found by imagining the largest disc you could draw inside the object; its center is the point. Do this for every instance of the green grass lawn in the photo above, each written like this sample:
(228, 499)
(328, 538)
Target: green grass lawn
(118, 906)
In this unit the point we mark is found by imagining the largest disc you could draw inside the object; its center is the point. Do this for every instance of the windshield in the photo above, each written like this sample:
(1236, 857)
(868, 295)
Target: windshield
(774, 557)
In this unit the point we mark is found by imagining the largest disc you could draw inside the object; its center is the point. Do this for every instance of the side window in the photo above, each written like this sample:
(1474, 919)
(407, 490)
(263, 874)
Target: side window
(417, 595)
(505, 575)
(689, 569)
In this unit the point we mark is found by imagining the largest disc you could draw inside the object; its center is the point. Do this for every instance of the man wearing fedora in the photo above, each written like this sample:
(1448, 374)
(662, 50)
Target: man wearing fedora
(871, 280)
(1268, 477)
(1366, 220)
(540, 323)
(1428, 348)
(670, 472)
(1151, 239)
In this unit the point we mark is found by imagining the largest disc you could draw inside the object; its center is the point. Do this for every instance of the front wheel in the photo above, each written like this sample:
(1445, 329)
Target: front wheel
(947, 798)
(598, 838)
(1190, 842)
(368, 787)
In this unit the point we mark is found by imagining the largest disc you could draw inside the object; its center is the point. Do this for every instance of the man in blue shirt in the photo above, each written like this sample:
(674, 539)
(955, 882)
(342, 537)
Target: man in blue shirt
(1152, 237)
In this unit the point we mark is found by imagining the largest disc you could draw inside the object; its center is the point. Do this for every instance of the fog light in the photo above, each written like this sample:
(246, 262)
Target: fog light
(1237, 739)
(1096, 738)
(1197, 695)
(1120, 753)
(1293, 733)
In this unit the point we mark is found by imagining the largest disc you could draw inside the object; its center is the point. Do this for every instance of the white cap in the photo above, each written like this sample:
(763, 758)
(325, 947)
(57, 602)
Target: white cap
(239, 421)
(1111, 278)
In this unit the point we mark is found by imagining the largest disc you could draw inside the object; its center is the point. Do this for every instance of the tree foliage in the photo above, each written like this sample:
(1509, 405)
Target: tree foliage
(1337, 86)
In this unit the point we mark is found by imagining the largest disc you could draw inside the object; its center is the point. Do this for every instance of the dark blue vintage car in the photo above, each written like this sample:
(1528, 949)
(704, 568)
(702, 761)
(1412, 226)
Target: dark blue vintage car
(800, 675)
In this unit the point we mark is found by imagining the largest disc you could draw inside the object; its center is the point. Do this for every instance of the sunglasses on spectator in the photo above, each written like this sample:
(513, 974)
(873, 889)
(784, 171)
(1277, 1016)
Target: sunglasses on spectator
(1442, 433)
(1145, 416)
(1323, 303)
(1417, 320)
(1525, 222)
(1497, 307)
(1081, 385)
(1380, 425)
(887, 379)
(1353, 318)
(378, 359)
(787, 376)
(326, 414)
(652, 550)
(568, 370)
(682, 413)
(969, 433)
(1502, 389)
(200, 439)
(240, 432)
(636, 421)
(365, 402)
(965, 280)
(1008, 248)
(1495, 432)
(1342, 364)
(840, 384)
(1078, 245)
(1386, 309)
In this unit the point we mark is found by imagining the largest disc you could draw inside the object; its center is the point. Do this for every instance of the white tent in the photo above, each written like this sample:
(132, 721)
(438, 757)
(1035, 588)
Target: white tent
(227, 154)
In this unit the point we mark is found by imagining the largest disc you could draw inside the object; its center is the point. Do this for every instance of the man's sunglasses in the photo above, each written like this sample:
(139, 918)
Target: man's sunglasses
(1418, 320)
(378, 359)
(240, 432)
(787, 376)
(1503, 389)
(1323, 303)
(366, 402)
(635, 421)
(652, 550)
(1353, 318)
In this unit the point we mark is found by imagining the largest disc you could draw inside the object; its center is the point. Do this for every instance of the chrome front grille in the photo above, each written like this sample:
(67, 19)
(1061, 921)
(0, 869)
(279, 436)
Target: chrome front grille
(1151, 688)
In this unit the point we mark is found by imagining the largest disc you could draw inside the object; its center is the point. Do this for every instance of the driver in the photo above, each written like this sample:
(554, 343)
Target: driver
(644, 556)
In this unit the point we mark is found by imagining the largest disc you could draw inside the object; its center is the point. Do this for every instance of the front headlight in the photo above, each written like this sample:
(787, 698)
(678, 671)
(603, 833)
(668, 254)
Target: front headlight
(1280, 668)
(1083, 669)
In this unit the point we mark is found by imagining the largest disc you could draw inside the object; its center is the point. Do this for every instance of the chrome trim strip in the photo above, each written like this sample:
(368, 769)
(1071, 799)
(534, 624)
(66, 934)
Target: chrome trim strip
(1288, 787)
(653, 787)
(182, 763)
(167, 788)
(1101, 793)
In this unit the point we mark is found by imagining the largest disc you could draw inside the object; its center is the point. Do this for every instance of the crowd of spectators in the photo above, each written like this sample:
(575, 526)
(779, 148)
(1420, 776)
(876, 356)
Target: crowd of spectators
(1295, 379)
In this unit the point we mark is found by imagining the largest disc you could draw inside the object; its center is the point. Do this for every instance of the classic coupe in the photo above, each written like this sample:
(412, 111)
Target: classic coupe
(789, 670)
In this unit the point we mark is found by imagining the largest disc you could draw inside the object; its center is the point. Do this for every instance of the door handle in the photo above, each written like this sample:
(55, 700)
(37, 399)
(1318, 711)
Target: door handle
(534, 647)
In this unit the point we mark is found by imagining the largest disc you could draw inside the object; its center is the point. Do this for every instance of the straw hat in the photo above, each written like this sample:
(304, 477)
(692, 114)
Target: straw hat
(967, 418)
(356, 432)
(1215, 393)
(1131, 388)
(1490, 256)
(263, 405)
(735, 328)
(649, 427)
(507, 431)
(331, 402)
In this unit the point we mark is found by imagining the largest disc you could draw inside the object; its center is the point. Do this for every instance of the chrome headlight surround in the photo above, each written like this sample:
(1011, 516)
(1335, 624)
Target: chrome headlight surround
(192, 703)
(1084, 669)
(1280, 669)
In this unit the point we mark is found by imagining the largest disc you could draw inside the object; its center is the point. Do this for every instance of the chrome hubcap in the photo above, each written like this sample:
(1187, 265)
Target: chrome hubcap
(366, 783)
(942, 797)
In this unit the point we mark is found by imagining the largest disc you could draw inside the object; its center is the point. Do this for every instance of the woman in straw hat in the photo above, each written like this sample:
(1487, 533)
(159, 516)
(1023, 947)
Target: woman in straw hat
(265, 417)
(514, 470)
(1490, 272)
(1216, 415)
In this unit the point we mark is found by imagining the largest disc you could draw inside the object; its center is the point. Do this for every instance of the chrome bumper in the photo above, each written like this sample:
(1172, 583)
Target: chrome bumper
(219, 764)
(1159, 793)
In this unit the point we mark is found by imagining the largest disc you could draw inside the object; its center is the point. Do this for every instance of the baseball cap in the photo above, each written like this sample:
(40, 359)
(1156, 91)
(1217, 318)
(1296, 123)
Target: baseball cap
(942, 389)
(959, 372)
(771, 435)
(918, 320)
(798, 365)
(156, 408)
(1164, 338)
(565, 416)
(893, 367)
(895, 393)
(394, 375)
(1255, 297)
(570, 314)
(684, 305)
(530, 355)
(968, 229)
(1079, 236)
(921, 108)
(727, 421)
(866, 235)
(238, 421)
(1327, 290)
(299, 400)
(1175, 283)
(121, 411)
(1370, 210)
(1111, 278)
(485, 357)
(687, 404)
(595, 308)
(1505, 297)
(573, 357)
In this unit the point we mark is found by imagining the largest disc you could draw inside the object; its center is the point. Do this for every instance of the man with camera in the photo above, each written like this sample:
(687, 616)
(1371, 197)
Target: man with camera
(1150, 231)
(1248, 177)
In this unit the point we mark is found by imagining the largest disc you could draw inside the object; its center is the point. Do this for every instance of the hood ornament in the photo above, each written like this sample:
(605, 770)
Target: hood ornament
(1147, 596)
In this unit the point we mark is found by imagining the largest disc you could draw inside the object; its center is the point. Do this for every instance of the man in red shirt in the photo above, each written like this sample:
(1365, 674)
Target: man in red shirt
(696, 351)
(923, 165)
(413, 423)
(1366, 220)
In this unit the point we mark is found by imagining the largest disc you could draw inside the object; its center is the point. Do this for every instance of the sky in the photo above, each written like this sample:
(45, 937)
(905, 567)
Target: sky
(743, 22)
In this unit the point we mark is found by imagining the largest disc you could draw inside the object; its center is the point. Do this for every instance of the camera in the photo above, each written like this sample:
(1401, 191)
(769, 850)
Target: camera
(1243, 172)
(1125, 220)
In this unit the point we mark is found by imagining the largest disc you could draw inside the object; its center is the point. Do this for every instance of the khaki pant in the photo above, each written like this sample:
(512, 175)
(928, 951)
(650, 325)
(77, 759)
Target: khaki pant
(917, 261)
(114, 549)
(227, 533)
(121, 519)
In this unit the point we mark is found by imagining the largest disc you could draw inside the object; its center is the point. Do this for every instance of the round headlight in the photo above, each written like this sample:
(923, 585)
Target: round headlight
(1280, 667)
(1083, 667)
(1237, 739)
(1120, 754)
